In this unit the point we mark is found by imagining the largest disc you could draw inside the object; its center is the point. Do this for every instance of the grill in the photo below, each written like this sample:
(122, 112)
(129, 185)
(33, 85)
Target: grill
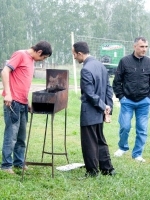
(50, 101)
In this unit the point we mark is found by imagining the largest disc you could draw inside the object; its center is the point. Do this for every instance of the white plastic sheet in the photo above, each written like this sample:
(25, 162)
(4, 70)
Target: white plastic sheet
(70, 166)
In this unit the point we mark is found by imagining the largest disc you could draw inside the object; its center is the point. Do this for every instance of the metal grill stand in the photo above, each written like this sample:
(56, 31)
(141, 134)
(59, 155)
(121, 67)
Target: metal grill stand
(50, 101)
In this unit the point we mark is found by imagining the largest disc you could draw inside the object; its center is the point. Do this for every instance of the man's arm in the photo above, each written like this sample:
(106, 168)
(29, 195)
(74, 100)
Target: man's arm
(117, 82)
(5, 74)
(109, 94)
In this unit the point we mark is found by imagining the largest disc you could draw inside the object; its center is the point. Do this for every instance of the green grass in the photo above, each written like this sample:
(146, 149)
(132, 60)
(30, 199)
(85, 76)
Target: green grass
(130, 183)
(38, 81)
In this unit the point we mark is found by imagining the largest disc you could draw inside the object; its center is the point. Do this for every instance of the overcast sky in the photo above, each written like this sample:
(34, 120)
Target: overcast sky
(147, 4)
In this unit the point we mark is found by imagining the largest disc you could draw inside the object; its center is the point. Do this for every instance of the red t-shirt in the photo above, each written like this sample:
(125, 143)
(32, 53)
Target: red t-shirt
(22, 65)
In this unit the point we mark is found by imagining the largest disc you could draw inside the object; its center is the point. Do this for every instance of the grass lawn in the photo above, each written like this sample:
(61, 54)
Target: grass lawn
(130, 183)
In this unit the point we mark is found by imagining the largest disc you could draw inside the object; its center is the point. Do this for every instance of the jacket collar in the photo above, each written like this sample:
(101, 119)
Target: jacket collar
(136, 57)
(87, 59)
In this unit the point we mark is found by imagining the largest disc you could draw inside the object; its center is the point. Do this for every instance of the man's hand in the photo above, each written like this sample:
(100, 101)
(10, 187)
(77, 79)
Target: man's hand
(107, 117)
(29, 108)
(107, 110)
(8, 100)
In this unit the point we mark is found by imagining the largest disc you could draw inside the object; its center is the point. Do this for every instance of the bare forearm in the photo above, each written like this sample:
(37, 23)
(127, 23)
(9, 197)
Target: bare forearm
(5, 80)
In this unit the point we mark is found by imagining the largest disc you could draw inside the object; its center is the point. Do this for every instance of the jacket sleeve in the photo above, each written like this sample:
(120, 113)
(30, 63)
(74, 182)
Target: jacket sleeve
(87, 87)
(118, 80)
(109, 95)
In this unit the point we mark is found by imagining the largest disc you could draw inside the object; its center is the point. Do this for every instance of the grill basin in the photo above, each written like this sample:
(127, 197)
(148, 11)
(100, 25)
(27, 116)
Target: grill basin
(55, 97)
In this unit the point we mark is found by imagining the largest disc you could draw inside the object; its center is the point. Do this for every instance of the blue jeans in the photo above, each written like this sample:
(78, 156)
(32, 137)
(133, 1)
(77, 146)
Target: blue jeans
(14, 135)
(141, 110)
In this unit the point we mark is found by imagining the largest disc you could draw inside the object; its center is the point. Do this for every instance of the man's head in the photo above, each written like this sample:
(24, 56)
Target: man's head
(41, 51)
(140, 47)
(80, 51)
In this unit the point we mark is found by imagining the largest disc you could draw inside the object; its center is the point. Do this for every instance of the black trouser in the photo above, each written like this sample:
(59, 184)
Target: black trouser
(95, 149)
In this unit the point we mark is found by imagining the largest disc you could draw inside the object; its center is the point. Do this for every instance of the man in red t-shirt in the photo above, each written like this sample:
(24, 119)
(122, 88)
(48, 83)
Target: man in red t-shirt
(16, 78)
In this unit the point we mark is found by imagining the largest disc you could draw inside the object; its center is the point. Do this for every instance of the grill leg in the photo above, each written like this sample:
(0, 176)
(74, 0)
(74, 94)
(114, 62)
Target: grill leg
(65, 136)
(44, 138)
(27, 145)
(52, 141)
(52, 144)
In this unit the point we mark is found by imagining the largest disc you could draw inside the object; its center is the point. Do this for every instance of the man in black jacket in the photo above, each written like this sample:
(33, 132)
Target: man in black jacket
(96, 98)
(132, 86)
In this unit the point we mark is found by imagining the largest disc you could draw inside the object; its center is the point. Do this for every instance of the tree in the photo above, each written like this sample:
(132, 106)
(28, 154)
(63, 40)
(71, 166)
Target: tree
(12, 27)
(23, 23)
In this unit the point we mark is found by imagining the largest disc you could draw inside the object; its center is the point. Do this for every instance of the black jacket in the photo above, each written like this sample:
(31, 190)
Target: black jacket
(132, 78)
(96, 92)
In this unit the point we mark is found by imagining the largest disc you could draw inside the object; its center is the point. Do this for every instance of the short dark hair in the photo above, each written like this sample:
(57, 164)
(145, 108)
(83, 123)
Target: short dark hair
(44, 46)
(81, 47)
(140, 38)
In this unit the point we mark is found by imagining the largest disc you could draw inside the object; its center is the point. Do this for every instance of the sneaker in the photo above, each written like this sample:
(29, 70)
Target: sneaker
(9, 171)
(25, 167)
(140, 159)
(19, 167)
(119, 153)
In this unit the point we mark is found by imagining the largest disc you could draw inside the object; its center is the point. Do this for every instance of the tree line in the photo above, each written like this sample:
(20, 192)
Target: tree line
(24, 22)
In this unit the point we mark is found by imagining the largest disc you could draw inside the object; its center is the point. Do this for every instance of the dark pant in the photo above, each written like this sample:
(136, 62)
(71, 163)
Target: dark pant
(95, 149)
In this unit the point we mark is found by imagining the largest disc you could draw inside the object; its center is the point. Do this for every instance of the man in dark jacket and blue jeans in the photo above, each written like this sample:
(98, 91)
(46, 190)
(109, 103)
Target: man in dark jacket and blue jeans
(96, 98)
(132, 86)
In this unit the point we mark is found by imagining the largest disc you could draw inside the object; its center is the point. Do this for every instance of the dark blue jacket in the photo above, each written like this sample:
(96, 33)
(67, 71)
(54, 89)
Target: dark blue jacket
(96, 92)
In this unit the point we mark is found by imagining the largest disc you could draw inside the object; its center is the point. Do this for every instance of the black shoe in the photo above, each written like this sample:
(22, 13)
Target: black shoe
(88, 175)
(109, 172)
(91, 174)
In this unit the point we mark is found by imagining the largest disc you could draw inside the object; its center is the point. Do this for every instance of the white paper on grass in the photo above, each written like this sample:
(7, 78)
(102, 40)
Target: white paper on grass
(70, 166)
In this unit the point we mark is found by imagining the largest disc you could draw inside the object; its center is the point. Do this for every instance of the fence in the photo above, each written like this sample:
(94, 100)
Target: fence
(108, 51)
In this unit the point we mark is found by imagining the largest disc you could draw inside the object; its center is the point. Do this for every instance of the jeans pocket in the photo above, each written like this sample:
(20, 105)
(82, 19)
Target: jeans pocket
(148, 100)
(15, 109)
(122, 100)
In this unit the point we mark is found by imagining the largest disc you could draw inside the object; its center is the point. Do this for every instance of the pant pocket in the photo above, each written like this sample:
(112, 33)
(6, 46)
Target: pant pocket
(14, 111)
